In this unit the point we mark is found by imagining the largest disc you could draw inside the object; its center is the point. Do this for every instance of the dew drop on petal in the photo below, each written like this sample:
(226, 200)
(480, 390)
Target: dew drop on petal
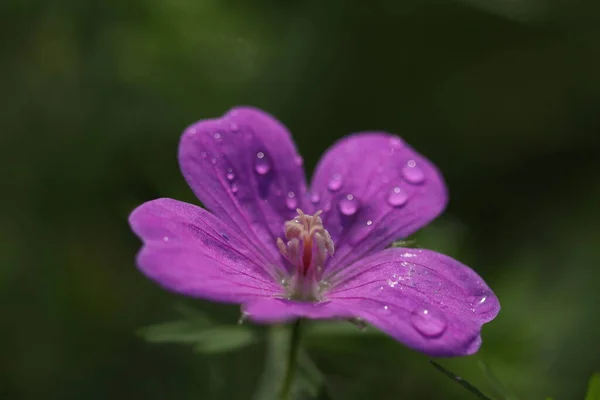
(233, 127)
(397, 197)
(234, 188)
(349, 205)
(230, 175)
(165, 238)
(480, 304)
(298, 160)
(291, 201)
(262, 165)
(412, 173)
(217, 136)
(314, 198)
(335, 182)
(429, 321)
(396, 142)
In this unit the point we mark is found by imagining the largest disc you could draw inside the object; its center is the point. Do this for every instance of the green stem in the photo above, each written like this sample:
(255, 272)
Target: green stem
(292, 361)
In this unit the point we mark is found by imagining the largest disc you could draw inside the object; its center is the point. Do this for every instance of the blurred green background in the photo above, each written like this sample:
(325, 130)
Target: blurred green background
(504, 95)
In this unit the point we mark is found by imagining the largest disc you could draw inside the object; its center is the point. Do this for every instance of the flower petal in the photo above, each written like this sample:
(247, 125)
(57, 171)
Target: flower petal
(245, 169)
(189, 251)
(280, 310)
(375, 189)
(426, 300)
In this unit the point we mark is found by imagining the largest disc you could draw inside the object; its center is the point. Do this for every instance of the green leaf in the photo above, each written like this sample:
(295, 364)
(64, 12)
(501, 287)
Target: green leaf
(199, 331)
(593, 392)
(309, 382)
(404, 243)
(224, 339)
(460, 381)
(335, 328)
(183, 331)
(495, 382)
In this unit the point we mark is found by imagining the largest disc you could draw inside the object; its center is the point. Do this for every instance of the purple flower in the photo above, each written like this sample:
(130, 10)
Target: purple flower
(284, 251)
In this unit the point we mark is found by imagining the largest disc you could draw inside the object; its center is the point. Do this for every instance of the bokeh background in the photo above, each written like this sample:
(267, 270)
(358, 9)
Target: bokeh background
(504, 95)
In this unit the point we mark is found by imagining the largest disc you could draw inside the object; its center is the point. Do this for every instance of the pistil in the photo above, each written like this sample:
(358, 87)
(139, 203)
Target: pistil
(307, 248)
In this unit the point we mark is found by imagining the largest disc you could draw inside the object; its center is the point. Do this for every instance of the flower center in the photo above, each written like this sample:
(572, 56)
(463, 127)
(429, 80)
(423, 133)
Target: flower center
(307, 248)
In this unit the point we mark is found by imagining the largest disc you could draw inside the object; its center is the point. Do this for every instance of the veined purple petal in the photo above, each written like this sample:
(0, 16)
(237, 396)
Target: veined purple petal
(426, 300)
(189, 251)
(244, 168)
(375, 189)
(281, 310)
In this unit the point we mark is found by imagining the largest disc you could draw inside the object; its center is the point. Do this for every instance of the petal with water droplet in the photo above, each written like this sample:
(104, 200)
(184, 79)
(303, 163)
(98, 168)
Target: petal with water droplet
(348, 205)
(255, 161)
(400, 191)
(437, 304)
(202, 256)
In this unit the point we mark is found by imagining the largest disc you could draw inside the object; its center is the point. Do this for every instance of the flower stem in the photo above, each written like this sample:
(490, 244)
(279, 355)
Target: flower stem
(292, 361)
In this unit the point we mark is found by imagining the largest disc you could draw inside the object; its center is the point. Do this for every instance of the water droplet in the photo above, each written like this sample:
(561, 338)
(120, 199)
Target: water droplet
(369, 223)
(397, 197)
(233, 127)
(262, 165)
(480, 304)
(349, 205)
(225, 236)
(335, 182)
(234, 188)
(429, 321)
(192, 131)
(165, 239)
(314, 198)
(298, 160)
(217, 136)
(213, 160)
(230, 174)
(291, 201)
(396, 143)
(412, 173)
